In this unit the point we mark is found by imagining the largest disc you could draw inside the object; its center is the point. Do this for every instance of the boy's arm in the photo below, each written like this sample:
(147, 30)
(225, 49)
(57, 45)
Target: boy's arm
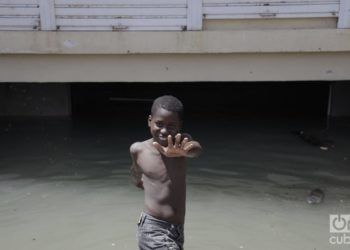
(196, 149)
(136, 172)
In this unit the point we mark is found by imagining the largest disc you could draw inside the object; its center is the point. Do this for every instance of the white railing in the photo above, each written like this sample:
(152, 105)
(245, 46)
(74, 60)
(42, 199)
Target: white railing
(19, 15)
(228, 9)
(120, 14)
(126, 15)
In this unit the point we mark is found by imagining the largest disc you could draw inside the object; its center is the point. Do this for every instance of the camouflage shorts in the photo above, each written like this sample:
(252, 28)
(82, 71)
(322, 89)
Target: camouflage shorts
(153, 233)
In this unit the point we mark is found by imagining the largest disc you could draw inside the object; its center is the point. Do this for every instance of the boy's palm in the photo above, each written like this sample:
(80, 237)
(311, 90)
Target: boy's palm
(179, 149)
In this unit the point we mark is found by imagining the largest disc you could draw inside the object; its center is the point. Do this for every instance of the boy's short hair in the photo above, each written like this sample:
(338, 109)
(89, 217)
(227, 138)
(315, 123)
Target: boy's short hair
(168, 102)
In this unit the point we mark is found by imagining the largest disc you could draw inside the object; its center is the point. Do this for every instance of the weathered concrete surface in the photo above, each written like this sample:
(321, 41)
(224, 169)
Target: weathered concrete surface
(176, 68)
(202, 42)
(242, 55)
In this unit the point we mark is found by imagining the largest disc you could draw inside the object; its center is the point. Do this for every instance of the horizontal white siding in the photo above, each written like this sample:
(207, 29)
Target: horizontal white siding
(124, 15)
(121, 14)
(121, 2)
(239, 9)
(18, 2)
(19, 15)
(19, 11)
(110, 12)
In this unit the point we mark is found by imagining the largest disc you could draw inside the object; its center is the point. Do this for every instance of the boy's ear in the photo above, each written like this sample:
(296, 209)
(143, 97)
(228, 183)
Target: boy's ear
(149, 120)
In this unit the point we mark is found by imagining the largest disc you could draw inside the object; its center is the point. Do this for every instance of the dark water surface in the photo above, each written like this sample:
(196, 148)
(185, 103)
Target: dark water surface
(65, 184)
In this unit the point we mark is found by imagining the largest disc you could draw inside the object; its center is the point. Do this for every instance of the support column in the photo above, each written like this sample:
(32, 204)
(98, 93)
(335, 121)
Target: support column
(194, 14)
(344, 14)
(47, 15)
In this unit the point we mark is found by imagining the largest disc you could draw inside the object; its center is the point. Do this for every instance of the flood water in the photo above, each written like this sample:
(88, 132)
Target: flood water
(65, 184)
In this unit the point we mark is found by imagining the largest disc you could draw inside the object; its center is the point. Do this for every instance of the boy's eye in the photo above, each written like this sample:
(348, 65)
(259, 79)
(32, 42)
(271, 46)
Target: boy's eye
(171, 127)
(159, 124)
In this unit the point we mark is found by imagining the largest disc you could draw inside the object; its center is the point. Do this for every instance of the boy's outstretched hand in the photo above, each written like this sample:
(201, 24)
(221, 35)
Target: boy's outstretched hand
(184, 148)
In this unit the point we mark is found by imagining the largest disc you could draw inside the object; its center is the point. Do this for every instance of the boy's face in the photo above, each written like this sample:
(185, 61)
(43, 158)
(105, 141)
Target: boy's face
(163, 123)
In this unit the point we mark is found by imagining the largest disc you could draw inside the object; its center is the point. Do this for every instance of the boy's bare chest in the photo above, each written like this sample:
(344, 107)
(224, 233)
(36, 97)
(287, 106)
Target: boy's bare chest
(157, 167)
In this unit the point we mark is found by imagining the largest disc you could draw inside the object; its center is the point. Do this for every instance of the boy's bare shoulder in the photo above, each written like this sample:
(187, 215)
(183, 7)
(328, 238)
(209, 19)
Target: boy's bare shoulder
(137, 147)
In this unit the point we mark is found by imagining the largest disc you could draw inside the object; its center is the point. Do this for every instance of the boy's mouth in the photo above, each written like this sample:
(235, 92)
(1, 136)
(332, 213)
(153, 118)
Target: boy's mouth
(162, 138)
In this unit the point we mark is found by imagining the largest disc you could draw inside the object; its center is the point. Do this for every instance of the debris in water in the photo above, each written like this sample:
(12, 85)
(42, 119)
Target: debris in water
(316, 196)
(315, 138)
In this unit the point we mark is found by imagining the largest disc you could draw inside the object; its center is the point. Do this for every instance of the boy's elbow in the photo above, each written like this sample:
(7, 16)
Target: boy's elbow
(139, 184)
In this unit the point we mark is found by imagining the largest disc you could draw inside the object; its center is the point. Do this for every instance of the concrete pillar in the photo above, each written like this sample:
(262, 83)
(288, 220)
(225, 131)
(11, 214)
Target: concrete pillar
(341, 99)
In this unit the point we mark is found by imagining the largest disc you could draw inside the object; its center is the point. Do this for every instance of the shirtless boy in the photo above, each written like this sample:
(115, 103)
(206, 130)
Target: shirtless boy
(159, 168)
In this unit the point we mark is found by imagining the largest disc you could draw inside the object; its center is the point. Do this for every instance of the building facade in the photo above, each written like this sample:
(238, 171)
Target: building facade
(63, 41)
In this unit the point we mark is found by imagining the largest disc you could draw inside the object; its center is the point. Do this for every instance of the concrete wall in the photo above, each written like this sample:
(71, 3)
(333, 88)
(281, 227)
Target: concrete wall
(243, 55)
(18, 99)
(257, 55)
(196, 42)
(229, 67)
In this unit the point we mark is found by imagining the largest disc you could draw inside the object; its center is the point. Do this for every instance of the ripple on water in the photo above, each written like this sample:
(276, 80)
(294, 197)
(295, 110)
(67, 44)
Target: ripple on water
(218, 172)
(9, 176)
(69, 177)
(284, 179)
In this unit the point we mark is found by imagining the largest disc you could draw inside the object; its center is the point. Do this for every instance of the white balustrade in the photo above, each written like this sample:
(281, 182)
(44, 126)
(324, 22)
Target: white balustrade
(153, 15)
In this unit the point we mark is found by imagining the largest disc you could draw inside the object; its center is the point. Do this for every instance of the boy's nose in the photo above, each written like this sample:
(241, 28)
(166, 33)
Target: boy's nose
(164, 131)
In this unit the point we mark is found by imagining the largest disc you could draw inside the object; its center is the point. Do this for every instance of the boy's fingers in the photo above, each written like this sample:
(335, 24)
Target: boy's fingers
(184, 141)
(188, 147)
(170, 142)
(177, 140)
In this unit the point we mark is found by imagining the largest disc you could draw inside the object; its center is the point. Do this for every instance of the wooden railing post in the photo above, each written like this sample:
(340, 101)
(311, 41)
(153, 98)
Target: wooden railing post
(194, 14)
(344, 15)
(47, 15)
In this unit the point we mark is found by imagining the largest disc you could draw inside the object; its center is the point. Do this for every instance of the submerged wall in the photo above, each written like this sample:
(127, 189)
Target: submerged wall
(18, 99)
(52, 99)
